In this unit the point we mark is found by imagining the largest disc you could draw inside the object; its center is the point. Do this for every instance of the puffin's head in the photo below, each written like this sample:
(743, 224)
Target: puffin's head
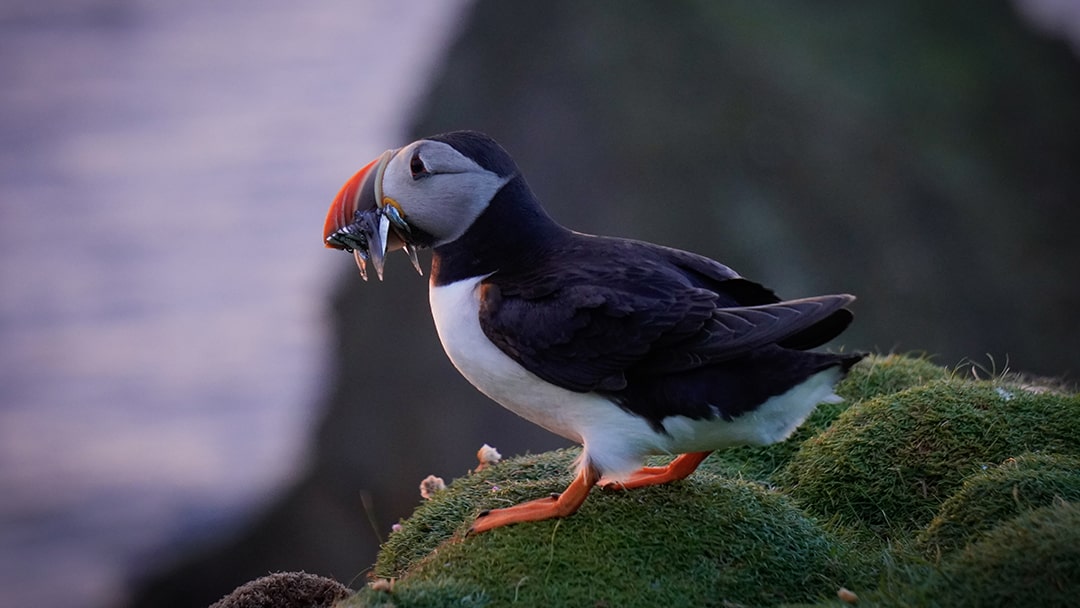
(423, 195)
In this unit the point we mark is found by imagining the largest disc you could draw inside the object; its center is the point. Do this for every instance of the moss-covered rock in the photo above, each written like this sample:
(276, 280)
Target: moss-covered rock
(998, 494)
(700, 542)
(874, 376)
(1030, 560)
(888, 462)
(450, 511)
(925, 488)
(879, 375)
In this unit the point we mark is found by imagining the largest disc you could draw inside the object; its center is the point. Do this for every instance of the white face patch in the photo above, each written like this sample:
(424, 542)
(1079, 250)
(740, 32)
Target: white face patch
(446, 194)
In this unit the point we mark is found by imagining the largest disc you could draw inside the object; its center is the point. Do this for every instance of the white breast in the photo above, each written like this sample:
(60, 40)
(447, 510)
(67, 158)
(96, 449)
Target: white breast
(614, 440)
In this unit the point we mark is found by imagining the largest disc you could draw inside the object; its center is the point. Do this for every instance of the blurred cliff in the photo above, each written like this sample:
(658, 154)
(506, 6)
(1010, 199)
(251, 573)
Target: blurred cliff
(920, 155)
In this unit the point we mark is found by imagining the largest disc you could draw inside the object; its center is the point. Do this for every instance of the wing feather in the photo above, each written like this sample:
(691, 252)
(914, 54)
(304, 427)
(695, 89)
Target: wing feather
(597, 327)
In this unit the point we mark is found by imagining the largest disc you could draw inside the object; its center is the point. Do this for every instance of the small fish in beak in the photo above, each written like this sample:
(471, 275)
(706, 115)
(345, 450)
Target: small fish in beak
(358, 238)
(402, 230)
(367, 224)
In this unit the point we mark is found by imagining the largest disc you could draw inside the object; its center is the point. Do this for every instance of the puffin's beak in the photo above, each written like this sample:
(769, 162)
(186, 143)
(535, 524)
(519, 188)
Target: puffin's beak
(360, 218)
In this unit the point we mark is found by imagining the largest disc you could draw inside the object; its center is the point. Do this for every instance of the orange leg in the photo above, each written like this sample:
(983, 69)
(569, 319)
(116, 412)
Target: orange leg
(677, 469)
(561, 505)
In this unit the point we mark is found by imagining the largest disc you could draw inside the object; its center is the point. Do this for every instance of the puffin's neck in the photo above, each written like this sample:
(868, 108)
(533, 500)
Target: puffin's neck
(513, 231)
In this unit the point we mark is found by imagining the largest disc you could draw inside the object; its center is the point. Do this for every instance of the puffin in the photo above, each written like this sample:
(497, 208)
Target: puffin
(625, 347)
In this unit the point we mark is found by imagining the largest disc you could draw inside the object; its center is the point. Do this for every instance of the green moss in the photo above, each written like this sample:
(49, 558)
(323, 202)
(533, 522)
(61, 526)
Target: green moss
(453, 509)
(874, 376)
(879, 375)
(1000, 493)
(700, 542)
(435, 521)
(1030, 560)
(888, 463)
(844, 503)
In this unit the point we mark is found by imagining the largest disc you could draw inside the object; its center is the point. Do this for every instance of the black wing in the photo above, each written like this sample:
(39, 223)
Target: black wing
(633, 309)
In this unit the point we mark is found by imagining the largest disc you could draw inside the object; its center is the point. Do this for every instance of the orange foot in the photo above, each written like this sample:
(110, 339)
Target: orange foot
(677, 469)
(560, 505)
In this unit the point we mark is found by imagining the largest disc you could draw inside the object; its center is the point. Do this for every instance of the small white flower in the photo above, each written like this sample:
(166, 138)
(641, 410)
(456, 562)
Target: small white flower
(847, 596)
(385, 585)
(487, 456)
(430, 486)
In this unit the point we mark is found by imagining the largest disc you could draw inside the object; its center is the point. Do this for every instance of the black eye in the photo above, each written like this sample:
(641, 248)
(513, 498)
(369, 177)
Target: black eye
(416, 166)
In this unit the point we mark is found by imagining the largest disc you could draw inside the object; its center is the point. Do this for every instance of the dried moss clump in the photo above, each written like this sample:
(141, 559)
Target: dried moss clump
(286, 590)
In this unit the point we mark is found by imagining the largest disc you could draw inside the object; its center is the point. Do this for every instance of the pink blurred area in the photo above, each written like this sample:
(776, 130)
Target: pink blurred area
(164, 172)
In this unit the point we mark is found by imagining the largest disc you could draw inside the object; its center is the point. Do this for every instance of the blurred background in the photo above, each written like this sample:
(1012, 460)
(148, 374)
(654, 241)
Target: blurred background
(193, 392)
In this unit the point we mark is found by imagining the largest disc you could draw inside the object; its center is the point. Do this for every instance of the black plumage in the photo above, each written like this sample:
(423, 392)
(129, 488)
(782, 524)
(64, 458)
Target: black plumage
(661, 331)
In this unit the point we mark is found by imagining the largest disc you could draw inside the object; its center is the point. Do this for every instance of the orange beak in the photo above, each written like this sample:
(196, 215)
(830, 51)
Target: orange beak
(347, 203)
(361, 217)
